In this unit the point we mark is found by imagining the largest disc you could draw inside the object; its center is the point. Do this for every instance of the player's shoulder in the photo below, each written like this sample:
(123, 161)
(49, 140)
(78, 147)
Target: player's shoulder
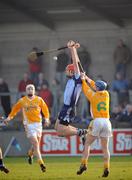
(103, 93)
(106, 93)
(38, 98)
(22, 99)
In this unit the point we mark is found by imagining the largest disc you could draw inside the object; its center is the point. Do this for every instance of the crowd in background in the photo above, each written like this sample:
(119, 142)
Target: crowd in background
(52, 93)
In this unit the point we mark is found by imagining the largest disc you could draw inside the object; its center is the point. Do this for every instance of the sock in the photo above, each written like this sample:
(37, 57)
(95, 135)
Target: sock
(106, 165)
(84, 161)
(40, 161)
(1, 162)
(30, 153)
(81, 132)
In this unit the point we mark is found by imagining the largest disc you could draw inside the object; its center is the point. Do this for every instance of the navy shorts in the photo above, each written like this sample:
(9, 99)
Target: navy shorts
(66, 115)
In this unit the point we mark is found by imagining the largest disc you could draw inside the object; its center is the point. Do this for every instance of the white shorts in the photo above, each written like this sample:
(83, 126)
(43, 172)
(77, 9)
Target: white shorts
(100, 127)
(34, 129)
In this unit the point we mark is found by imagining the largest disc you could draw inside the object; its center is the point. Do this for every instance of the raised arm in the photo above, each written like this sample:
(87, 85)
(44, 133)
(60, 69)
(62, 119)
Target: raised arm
(87, 90)
(90, 82)
(73, 48)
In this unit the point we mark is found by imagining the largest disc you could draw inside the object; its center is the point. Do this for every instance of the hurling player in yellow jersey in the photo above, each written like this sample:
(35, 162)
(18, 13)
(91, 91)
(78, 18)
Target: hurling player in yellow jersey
(31, 106)
(100, 126)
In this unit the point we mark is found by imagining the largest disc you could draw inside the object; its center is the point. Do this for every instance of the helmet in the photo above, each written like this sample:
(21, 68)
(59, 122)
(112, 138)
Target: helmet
(101, 85)
(70, 67)
(30, 89)
(30, 86)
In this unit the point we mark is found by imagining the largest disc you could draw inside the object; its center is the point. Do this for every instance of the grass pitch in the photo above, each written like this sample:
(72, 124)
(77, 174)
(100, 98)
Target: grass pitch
(64, 168)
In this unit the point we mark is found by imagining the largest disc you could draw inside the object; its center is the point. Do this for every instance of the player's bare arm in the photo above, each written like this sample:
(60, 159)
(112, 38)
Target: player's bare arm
(73, 48)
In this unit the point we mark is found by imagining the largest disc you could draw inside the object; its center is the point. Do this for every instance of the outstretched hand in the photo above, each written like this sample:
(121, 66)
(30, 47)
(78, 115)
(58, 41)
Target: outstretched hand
(46, 123)
(72, 44)
(83, 76)
(77, 45)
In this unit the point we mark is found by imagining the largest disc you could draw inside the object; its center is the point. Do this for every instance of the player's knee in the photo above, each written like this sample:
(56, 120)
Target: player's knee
(34, 143)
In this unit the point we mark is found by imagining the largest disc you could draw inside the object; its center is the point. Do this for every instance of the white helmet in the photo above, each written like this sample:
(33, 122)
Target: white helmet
(30, 90)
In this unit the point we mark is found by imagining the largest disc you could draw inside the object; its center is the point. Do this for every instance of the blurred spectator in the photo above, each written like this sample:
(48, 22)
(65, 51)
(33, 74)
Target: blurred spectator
(83, 108)
(57, 96)
(35, 66)
(124, 117)
(120, 85)
(115, 115)
(100, 77)
(127, 114)
(23, 83)
(61, 63)
(122, 56)
(130, 84)
(5, 99)
(46, 95)
(41, 81)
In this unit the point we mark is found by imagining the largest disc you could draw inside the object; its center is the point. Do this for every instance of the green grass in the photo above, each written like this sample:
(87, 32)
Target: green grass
(64, 168)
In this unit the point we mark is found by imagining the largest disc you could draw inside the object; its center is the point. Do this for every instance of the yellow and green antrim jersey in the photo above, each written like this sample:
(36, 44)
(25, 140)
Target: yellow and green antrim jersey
(99, 101)
(31, 109)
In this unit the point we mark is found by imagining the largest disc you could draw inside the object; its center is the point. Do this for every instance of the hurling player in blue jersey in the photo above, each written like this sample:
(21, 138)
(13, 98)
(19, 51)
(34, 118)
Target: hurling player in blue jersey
(71, 95)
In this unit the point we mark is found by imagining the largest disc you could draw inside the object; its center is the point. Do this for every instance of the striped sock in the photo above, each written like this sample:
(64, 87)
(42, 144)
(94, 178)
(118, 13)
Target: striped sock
(40, 161)
(106, 165)
(84, 161)
(30, 153)
(81, 132)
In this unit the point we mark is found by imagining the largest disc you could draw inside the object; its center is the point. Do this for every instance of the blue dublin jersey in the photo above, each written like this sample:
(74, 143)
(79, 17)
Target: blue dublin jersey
(72, 90)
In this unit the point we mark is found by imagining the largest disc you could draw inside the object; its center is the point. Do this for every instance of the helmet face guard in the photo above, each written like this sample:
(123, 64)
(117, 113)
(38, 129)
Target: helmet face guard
(101, 85)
